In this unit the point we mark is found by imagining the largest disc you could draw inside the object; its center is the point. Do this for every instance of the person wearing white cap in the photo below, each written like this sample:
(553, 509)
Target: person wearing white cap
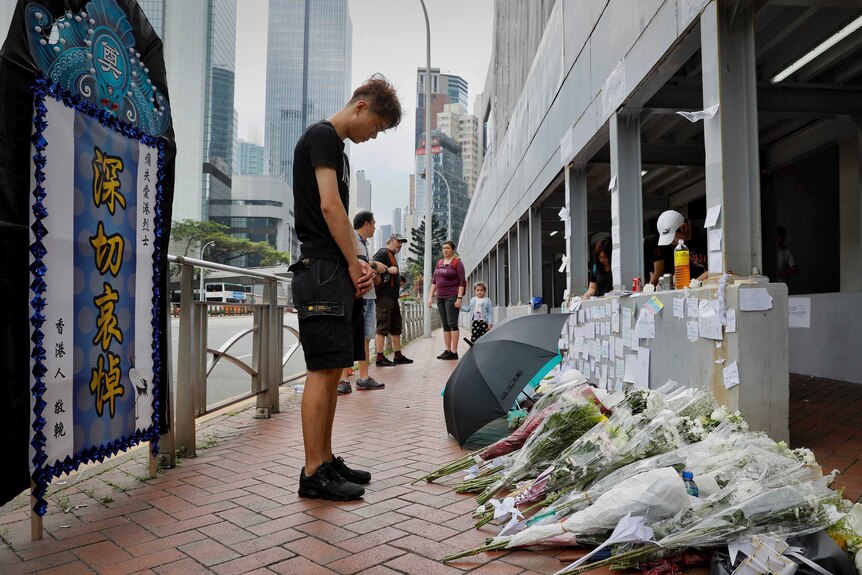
(672, 227)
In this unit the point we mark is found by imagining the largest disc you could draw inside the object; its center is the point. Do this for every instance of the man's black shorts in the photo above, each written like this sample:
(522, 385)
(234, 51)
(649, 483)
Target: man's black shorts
(330, 317)
(388, 316)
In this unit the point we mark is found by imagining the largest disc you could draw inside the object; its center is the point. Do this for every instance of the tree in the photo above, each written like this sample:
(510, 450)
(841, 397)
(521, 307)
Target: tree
(192, 234)
(417, 245)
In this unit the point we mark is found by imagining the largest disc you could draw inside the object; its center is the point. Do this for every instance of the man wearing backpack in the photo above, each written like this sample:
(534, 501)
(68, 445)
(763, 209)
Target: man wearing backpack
(389, 321)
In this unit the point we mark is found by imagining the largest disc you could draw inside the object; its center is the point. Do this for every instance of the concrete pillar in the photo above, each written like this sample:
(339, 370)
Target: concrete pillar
(536, 251)
(850, 209)
(524, 277)
(493, 290)
(626, 199)
(730, 137)
(577, 250)
(514, 275)
(502, 278)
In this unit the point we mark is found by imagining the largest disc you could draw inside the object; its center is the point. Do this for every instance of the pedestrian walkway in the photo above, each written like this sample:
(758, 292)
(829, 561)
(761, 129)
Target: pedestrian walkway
(234, 508)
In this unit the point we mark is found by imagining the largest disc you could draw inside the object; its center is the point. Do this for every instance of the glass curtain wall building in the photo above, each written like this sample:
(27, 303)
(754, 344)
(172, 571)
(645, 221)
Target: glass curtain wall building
(307, 73)
(219, 113)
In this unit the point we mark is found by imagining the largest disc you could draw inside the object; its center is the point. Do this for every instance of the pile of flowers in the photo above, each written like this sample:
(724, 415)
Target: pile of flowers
(603, 470)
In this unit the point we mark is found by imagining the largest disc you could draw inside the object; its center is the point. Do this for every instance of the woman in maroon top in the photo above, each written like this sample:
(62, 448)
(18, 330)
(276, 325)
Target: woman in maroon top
(449, 283)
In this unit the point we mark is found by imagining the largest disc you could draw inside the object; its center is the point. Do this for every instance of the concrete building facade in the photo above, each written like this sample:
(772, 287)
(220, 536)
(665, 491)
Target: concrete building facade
(581, 110)
(363, 191)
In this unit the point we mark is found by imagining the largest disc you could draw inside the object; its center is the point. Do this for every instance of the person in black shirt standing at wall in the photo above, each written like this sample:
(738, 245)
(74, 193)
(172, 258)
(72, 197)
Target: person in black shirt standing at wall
(600, 277)
(329, 279)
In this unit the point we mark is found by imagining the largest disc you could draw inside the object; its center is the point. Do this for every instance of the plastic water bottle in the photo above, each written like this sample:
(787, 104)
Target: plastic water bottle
(681, 272)
(690, 485)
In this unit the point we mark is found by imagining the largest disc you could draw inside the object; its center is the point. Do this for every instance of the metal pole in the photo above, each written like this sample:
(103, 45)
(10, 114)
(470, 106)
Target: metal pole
(426, 283)
(201, 289)
(185, 385)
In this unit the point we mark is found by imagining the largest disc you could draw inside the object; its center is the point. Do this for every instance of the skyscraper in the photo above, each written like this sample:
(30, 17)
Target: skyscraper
(308, 65)
(363, 191)
(219, 112)
(249, 161)
(199, 39)
(445, 89)
(465, 129)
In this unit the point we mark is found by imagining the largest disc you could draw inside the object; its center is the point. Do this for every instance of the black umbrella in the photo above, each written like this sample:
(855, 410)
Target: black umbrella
(496, 369)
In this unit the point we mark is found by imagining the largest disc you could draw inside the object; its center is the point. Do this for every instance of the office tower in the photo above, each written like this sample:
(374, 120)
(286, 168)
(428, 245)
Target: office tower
(445, 89)
(363, 191)
(199, 38)
(383, 232)
(219, 112)
(249, 161)
(261, 210)
(397, 223)
(464, 128)
(308, 65)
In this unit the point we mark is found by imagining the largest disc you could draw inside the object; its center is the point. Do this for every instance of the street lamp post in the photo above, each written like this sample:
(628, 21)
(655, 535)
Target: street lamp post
(426, 283)
(201, 294)
(448, 197)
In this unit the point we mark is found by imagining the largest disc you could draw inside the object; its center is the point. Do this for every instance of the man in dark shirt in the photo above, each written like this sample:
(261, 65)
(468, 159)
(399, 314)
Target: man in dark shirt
(329, 277)
(389, 321)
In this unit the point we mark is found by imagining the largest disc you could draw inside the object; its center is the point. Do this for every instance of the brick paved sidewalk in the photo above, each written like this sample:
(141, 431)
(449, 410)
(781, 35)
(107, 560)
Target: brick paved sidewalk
(234, 508)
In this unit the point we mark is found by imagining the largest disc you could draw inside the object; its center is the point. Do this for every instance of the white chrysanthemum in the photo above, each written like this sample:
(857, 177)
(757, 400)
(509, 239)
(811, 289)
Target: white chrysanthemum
(718, 414)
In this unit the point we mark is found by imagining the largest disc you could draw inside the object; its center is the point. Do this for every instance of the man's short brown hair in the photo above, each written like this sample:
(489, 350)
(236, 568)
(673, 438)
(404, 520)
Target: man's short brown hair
(381, 97)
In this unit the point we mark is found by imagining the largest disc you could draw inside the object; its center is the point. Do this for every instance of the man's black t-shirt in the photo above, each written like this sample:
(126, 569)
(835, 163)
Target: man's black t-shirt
(391, 287)
(698, 255)
(318, 146)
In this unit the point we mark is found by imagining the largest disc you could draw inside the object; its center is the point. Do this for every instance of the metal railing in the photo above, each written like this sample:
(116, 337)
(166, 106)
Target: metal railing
(268, 357)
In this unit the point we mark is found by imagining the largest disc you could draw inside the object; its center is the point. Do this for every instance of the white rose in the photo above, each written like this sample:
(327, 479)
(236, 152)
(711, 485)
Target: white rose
(718, 415)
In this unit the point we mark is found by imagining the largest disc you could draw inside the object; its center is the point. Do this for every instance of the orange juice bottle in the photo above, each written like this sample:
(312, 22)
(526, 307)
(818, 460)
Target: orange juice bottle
(681, 273)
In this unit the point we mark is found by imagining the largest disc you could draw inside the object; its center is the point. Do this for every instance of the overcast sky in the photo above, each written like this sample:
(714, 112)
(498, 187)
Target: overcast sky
(388, 37)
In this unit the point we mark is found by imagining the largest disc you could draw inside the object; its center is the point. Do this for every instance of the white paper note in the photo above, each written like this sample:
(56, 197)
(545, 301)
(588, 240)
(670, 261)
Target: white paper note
(716, 263)
(642, 379)
(645, 327)
(700, 114)
(679, 308)
(619, 348)
(799, 309)
(715, 239)
(709, 325)
(731, 375)
(613, 183)
(730, 318)
(712, 216)
(691, 329)
(606, 349)
(692, 304)
(631, 367)
(627, 324)
(754, 299)
(620, 368)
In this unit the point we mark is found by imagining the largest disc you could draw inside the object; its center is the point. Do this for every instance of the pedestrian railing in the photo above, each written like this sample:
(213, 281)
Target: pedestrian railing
(196, 360)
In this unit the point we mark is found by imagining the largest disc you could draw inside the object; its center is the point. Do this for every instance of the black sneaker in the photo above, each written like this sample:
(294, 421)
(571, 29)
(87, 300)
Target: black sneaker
(444, 355)
(402, 359)
(368, 384)
(352, 475)
(344, 387)
(327, 483)
(452, 356)
(385, 362)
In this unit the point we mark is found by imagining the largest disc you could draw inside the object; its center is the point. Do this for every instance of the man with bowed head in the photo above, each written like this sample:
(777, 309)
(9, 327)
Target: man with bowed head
(329, 279)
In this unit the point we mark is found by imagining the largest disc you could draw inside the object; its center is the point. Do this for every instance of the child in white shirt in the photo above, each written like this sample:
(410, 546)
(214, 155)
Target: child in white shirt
(481, 311)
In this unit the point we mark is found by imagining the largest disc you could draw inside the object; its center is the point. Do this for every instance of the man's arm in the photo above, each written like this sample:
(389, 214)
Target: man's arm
(340, 228)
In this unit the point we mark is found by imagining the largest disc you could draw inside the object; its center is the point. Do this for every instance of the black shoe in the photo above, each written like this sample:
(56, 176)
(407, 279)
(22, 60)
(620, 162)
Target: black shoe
(452, 356)
(402, 359)
(385, 362)
(370, 383)
(352, 475)
(327, 483)
(444, 355)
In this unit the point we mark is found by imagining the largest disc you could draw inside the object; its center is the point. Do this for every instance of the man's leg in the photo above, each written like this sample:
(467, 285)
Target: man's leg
(363, 364)
(330, 419)
(396, 343)
(319, 394)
